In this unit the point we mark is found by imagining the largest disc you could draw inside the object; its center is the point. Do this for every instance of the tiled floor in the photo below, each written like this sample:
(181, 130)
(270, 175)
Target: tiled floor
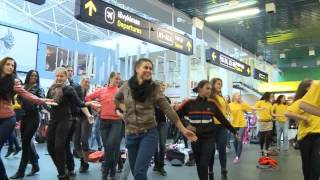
(290, 168)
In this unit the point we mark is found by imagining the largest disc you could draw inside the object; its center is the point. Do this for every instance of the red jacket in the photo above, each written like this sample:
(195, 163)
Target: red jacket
(105, 96)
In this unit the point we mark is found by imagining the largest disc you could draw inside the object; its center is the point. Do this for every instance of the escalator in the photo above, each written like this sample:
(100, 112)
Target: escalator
(246, 89)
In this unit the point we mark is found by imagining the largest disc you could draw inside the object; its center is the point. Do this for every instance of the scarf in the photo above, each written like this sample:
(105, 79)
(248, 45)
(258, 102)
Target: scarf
(56, 91)
(140, 92)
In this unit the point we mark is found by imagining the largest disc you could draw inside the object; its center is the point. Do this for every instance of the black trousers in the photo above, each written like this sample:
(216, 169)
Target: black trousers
(70, 160)
(310, 155)
(29, 125)
(82, 133)
(221, 138)
(202, 150)
(265, 138)
(58, 134)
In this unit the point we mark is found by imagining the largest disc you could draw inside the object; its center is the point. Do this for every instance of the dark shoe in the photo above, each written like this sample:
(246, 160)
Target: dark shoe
(104, 176)
(18, 149)
(162, 172)
(211, 176)
(72, 173)
(34, 170)
(224, 176)
(99, 148)
(155, 168)
(9, 153)
(18, 175)
(84, 167)
(63, 177)
(76, 154)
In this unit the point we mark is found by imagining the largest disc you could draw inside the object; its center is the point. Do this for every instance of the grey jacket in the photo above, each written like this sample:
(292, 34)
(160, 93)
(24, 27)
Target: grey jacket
(140, 116)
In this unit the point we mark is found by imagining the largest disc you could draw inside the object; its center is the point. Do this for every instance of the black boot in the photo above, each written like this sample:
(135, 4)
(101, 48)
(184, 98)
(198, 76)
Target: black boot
(224, 175)
(84, 166)
(63, 177)
(18, 175)
(35, 169)
(18, 149)
(211, 176)
(10, 151)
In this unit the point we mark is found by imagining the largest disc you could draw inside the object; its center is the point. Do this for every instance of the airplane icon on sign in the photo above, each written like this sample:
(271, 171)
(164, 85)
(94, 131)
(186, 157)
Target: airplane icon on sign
(109, 15)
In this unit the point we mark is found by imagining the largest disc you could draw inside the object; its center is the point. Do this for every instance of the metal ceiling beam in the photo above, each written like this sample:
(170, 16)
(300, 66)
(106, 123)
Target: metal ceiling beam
(29, 15)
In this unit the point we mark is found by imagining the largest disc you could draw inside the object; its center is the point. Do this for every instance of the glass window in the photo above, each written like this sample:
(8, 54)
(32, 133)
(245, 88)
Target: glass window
(51, 58)
(82, 64)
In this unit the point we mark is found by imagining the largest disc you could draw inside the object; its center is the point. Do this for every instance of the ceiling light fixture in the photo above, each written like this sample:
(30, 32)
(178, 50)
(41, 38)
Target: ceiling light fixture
(312, 52)
(232, 14)
(227, 6)
(282, 55)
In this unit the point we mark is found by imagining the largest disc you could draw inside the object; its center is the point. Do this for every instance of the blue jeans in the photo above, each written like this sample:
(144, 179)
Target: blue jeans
(238, 143)
(282, 128)
(160, 149)
(13, 141)
(140, 150)
(6, 128)
(95, 134)
(111, 138)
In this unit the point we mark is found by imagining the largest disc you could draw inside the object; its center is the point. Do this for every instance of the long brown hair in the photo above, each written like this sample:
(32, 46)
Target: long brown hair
(7, 82)
(214, 93)
(302, 89)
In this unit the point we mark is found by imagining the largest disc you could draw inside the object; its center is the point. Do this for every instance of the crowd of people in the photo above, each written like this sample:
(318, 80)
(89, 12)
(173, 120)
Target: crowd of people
(138, 110)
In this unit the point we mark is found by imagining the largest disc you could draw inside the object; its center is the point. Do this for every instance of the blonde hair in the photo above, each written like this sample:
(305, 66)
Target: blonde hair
(62, 70)
(234, 96)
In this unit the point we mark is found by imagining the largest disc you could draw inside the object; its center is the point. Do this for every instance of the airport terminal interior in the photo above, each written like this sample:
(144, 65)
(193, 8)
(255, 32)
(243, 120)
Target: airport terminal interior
(160, 89)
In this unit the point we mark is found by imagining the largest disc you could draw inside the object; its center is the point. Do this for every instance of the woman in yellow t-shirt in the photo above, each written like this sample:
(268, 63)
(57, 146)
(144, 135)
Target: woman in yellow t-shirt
(279, 109)
(221, 133)
(265, 121)
(311, 101)
(238, 121)
(308, 132)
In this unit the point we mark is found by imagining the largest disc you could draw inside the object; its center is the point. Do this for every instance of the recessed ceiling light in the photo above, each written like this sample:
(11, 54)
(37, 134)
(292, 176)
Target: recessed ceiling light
(293, 64)
(304, 67)
(282, 55)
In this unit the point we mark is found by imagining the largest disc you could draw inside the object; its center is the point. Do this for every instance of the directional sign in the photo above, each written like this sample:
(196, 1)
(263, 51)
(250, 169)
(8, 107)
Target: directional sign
(260, 75)
(222, 60)
(105, 15)
(91, 7)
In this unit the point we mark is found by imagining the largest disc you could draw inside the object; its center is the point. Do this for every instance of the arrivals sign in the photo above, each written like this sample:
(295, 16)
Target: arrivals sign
(260, 75)
(220, 59)
(105, 15)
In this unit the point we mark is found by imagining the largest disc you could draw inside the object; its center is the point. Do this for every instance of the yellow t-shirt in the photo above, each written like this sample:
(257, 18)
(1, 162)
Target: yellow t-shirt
(280, 109)
(237, 111)
(265, 113)
(314, 121)
(16, 105)
(313, 95)
(223, 107)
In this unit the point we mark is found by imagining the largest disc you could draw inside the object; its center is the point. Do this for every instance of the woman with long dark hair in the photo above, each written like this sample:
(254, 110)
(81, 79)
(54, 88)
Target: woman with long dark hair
(110, 124)
(308, 132)
(29, 125)
(221, 132)
(200, 112)
(60, 124)
(137, 98)
(279, 109)
(9, 86)
(265, 121)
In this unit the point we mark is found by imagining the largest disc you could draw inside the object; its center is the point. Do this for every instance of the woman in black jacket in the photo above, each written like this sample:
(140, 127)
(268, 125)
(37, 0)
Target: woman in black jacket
(29, 125)
(60, 124)
(200, 113)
